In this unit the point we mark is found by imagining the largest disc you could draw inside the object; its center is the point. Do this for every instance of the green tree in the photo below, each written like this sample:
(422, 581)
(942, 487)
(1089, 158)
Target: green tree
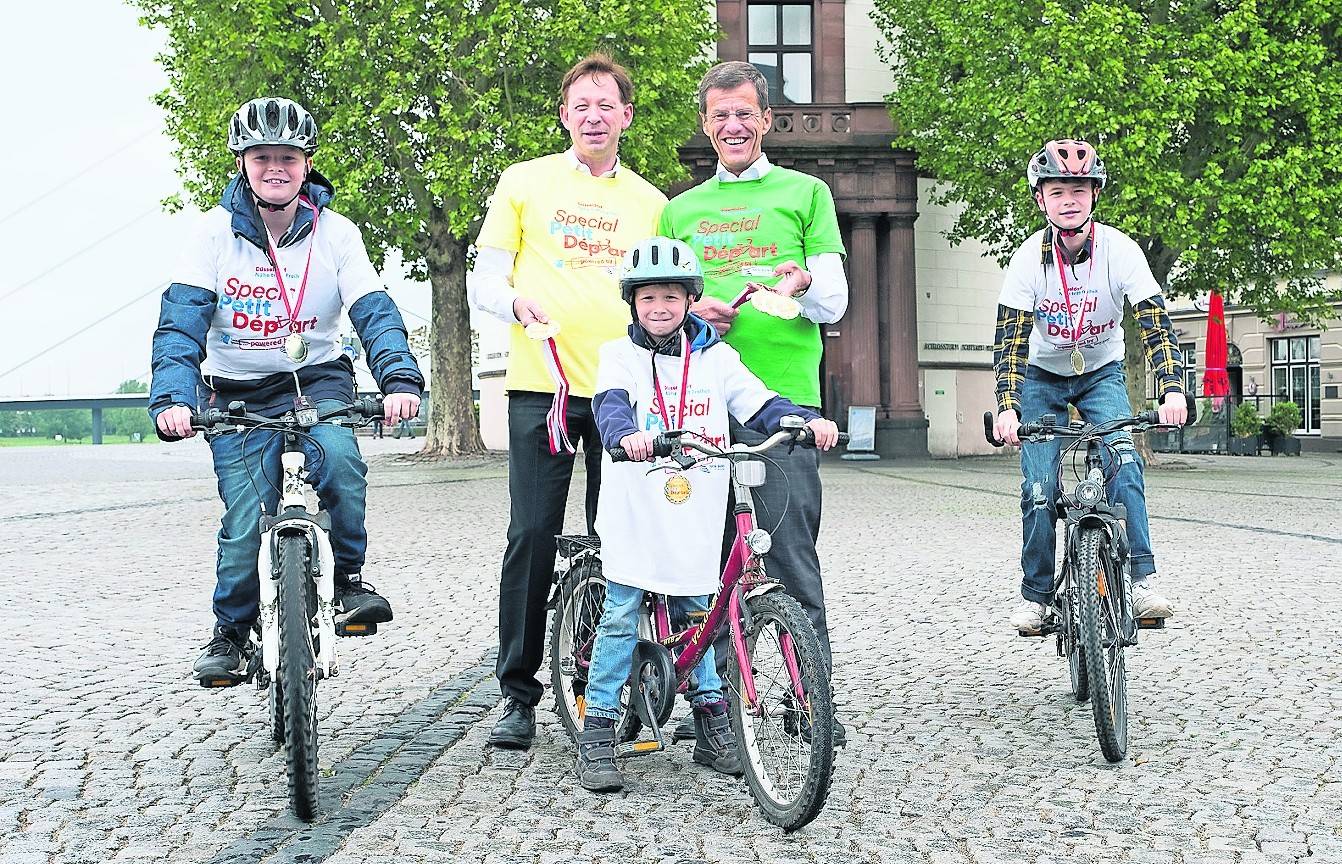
(127, 421)
(420, 106)
(72, 424)
(1220, 122)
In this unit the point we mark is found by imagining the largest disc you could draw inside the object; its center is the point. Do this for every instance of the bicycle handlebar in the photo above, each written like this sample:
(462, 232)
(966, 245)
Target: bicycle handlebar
(1047, 426)
(666, 445)
(364, 408)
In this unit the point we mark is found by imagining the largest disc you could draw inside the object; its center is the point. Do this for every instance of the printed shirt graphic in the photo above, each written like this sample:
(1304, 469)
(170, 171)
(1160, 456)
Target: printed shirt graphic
(1117, 269)
(570, 231)
(741, 231)
(647, 540)
(251, 321)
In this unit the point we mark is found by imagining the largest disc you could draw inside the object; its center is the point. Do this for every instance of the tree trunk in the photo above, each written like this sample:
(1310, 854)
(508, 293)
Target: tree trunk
(1134, 358)
(453, 428)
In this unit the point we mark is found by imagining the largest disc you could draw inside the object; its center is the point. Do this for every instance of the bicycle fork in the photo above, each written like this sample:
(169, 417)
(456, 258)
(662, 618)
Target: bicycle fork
(294, 518)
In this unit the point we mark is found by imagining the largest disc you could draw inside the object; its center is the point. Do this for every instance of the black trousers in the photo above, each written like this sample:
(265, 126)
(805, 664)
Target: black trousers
(538, 485)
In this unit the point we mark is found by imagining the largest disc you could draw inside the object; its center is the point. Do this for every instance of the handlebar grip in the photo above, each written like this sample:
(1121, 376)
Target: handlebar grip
(369, 406)
(661, 447)
(989, 430)
(1192, 411)
(1149, 418)
(207, 418)
(843, 438)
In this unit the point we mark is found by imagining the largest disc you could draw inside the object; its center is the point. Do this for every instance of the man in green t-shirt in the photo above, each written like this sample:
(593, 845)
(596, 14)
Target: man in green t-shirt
(757, 225)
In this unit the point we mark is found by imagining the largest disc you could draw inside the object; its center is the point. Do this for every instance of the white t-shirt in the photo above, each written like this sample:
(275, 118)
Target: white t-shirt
(251, 321)
(1093, 322)
(654, 536)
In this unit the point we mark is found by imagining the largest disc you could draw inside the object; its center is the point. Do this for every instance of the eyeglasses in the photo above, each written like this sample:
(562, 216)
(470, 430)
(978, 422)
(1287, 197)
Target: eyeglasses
(742, 116)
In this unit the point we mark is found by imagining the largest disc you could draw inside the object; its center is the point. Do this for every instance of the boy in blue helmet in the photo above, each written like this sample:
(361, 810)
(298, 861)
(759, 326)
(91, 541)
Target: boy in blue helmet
(672, 372)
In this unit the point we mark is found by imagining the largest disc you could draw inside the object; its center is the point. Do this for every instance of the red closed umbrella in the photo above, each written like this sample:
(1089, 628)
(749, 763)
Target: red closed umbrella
(1216, 383)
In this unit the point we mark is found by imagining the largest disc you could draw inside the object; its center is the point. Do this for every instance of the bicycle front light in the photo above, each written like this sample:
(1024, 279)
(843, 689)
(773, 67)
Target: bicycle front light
(759, 541)
(1089, 493)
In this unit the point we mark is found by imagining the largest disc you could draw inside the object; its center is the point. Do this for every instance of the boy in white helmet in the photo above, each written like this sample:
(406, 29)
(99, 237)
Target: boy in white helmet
(1059, 341)
(673, 371)
(253, 314)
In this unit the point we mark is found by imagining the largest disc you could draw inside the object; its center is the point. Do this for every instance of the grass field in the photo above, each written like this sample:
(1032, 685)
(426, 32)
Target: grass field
(48, 442)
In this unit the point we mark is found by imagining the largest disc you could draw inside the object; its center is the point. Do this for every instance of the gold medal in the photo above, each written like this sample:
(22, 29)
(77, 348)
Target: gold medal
(296, 347)
(677, 489)
(540, 332)
(1078, 362)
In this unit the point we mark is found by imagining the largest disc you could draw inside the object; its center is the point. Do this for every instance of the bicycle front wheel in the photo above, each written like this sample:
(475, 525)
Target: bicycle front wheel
(1102, 641)
(1071, 646)
(297, 676)
(786, 735)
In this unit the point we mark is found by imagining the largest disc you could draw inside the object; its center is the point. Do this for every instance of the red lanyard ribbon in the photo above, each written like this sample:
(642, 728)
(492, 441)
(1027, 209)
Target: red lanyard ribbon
(684, 384)
(297, 306)
(1078, 320)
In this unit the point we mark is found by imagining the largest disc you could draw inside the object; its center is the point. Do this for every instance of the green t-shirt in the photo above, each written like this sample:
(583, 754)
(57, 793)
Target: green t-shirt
(741, 231)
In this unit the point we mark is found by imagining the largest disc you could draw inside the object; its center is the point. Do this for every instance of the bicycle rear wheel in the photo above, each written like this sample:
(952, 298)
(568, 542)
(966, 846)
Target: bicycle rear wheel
(582, 596)
(786, 737)
(297, 676)
(1103, 641)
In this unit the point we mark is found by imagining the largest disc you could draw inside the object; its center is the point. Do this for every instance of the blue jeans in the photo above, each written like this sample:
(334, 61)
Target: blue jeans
(1100, 395)
(340, 484)
(613, 653)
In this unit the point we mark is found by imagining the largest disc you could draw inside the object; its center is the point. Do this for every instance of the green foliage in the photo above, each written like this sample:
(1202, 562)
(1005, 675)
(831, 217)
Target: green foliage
(1246, 422)
(1220, 124)
(17, 423)
(1283, 419)
(73, 424)
(420, 105)
(132, 385)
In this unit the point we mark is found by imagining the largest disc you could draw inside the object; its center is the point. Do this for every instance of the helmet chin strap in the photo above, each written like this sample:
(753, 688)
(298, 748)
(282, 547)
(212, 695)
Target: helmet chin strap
(1072, 232)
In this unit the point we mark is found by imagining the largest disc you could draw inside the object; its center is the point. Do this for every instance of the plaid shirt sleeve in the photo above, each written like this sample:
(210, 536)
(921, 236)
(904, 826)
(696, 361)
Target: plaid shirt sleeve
(1162, 350)
(1011, 354)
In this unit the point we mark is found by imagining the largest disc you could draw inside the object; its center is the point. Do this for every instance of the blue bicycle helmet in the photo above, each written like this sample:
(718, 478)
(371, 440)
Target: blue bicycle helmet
(661, 259)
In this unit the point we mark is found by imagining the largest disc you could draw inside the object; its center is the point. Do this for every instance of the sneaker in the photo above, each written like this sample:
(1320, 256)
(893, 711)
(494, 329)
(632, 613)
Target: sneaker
(516, 728)
(1029, 617)
(357, 602)
(226, 658)
(714, 743)
(596, 756)
(1146, 603)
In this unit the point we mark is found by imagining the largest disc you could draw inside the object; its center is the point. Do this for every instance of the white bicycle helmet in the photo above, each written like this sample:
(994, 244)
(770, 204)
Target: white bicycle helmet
(272, 120)
(661, 259)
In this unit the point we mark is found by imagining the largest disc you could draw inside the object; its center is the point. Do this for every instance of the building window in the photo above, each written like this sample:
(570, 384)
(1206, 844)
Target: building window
(1295, 376)
(1192, 387)
(781, 44)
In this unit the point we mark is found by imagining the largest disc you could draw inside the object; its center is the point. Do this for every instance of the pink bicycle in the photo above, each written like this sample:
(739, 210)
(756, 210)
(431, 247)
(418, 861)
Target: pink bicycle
(781, 706)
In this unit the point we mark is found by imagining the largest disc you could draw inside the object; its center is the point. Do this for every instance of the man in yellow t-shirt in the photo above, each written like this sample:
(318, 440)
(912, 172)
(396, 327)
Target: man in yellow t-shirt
(556, 230)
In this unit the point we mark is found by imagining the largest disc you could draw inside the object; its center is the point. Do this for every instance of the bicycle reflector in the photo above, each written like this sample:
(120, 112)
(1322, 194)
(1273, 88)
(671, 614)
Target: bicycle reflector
(1089, 493)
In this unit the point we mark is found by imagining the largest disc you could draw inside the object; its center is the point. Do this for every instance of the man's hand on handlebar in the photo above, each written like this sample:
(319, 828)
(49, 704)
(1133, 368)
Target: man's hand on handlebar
(175, 422)
(826, 432)
(399, 406)
(638, 446)
(1174, 410)
(1006, 426)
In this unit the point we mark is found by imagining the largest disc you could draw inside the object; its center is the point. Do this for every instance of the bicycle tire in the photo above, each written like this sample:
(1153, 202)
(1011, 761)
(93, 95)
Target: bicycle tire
(1073, 649)
(781, 719)
(276, 711)
(1103, 642)
(582, 595)
(297, 675)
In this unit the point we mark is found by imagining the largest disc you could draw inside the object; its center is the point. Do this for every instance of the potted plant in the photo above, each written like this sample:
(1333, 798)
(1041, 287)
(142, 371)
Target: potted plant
(1247, 426)
(1281, 423)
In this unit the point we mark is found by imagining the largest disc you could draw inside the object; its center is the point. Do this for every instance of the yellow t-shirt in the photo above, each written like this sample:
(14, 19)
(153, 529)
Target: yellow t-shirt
(570, 231)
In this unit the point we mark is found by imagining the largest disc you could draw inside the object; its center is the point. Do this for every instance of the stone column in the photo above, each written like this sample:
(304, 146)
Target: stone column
(901, 280)
(862, 319)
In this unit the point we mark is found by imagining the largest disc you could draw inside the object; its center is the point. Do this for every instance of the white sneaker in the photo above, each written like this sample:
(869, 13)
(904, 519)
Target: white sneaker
(1146, 603)
(1028, 617)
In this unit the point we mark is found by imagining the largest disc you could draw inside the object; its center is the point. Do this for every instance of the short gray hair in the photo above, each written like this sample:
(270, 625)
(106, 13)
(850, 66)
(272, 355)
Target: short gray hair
(730, 75)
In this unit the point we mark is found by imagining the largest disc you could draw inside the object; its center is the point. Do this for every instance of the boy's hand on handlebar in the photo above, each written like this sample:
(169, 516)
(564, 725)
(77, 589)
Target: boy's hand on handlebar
(638, 445)
(1006, 426)
(1174, 410)
(175, 422)
(399, 406)
(826, 432)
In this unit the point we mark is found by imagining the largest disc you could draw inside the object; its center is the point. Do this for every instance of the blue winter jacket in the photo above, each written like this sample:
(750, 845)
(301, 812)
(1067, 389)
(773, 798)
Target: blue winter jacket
(187, 310)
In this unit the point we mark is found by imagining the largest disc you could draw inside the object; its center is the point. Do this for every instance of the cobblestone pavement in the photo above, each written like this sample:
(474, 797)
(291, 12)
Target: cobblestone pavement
(964, 744)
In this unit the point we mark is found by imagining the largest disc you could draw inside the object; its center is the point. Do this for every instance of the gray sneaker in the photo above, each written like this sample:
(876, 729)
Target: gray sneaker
(596, 760)
(1146, 603)
(1028, 618)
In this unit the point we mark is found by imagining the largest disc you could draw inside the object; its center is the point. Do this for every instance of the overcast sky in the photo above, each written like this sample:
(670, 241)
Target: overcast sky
(85, 156)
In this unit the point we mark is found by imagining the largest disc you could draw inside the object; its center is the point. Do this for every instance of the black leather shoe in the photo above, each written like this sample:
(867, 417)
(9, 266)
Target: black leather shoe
(516, 728)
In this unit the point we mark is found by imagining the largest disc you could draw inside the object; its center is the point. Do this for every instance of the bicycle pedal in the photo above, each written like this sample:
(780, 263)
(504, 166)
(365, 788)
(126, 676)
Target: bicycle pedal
(637, 748)
(357, 629)
(1033, 634)
(220, 681)
(1150, 623)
